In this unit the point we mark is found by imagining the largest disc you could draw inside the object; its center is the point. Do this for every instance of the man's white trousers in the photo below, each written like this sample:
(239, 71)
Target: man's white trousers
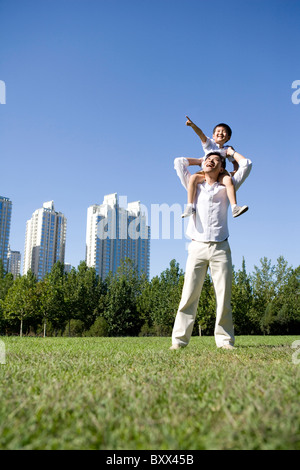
(217, 257)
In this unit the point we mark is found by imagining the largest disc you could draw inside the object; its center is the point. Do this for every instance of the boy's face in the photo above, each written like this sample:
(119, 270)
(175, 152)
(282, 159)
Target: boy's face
(220, 135)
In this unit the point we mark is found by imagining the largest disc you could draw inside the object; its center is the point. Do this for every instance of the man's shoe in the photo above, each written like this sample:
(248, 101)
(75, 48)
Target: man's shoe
(227, 346)
(189, 211)
(239, 210)
(175, 346)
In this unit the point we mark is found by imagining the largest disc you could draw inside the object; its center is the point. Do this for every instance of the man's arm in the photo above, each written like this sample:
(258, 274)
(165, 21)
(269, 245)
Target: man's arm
(195, 161)
(233, 153)
(197, 130)
(244, 167)
(181, 165)
(230, 152)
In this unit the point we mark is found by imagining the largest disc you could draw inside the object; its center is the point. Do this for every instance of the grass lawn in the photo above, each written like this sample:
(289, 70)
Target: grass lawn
(133, 393)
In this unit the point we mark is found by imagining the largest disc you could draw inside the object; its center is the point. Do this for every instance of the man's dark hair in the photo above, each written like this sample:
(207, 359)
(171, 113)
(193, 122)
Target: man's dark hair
(223, 160)
(229, 131)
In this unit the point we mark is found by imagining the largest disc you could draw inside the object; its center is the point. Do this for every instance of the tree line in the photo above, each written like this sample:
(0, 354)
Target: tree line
(80, 303)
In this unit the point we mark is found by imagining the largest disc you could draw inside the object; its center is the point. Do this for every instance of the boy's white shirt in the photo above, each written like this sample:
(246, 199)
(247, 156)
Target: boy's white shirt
(210, 145)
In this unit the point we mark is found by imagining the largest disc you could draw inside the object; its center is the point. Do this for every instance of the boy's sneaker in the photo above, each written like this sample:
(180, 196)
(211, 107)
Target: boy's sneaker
(239, 210)
(189, 210)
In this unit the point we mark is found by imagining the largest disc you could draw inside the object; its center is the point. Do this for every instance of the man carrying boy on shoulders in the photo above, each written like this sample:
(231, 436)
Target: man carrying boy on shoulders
(209, 247)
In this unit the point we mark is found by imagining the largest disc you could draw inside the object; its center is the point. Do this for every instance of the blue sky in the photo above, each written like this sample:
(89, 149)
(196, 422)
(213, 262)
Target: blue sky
(96, 97)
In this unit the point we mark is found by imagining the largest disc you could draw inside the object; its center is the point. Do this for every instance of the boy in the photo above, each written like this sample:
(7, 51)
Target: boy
(221, 135)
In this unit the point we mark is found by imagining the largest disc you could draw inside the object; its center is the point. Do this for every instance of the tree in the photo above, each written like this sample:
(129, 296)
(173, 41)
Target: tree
(6, 281)
(147, 301)
(99, 328)
(89, 288)
(263, 288)
(242, 300)
(275, 297)
(159, 300)
(52, 298)
(206, 311)
(286, 305)
(70, 295)
(120, 310)
(21, 301)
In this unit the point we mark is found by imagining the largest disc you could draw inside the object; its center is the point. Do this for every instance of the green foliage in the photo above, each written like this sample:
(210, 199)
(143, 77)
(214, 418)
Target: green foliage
(99, 328)
(52, 299)
(159, 301)
(206, 312)
(275, 304)
(74, 328)
(242, 300)
(79, 303)
(87, 288)
(120, 310)
(6, 281)
(21, 302)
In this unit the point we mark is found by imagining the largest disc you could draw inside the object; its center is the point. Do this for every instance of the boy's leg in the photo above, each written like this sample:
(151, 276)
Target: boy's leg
(196, 269)
(230, 189)
(221, 272)
(195, 179)
(231, 194)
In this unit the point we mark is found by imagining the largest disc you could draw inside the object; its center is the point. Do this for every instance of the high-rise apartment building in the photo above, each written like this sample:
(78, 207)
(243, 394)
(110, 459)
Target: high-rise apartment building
(115, 233)
(5, 219)
(45, 240)
(14, 262)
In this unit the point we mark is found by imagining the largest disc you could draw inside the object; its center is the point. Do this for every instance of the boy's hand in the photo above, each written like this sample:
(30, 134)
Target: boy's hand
(189, 122)
(197, 130)
(230, 151)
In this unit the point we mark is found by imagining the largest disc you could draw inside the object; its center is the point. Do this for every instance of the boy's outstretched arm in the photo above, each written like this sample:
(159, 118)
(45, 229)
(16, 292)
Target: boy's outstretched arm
(196, 129)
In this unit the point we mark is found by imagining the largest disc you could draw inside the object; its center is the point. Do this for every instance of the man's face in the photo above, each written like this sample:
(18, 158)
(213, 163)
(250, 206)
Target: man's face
(212, 164)
(220, 135)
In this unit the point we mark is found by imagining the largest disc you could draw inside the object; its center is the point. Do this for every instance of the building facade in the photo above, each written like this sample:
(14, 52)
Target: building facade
(14, 262)
(5, 220)
(115, 233)
(45, 240)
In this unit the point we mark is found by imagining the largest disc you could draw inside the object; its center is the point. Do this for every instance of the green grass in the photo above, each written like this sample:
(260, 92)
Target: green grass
(133, 393)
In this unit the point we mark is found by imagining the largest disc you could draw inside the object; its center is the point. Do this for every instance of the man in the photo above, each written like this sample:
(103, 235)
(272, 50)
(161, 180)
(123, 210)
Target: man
(209, 248)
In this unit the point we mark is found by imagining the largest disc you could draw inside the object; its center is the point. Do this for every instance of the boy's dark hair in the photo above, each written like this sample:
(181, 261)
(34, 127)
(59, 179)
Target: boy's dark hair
(223, 160)
(229, 131)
